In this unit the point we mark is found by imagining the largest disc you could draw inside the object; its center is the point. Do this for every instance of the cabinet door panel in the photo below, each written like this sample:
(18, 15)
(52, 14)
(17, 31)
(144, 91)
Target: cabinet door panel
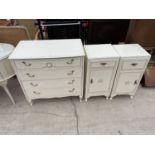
(100, 80)
(127, 82)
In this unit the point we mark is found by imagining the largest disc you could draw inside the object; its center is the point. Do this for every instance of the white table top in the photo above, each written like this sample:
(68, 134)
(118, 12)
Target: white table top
(5, 50)
(39, 49)
(131, 50)
(100, 51)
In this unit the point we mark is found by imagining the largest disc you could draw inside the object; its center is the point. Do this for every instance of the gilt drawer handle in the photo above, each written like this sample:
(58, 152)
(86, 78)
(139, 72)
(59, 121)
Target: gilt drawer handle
(71, 82)
(136, 82)
(103, 63)
(26, 64)
(34, 85)
(91, 81)
(37, 93)
(29, 75)
(70, 62)
(71, 73)
(134, 64)
(72, 90)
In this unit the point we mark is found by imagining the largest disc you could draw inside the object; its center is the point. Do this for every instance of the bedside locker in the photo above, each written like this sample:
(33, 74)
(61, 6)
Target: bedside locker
(101, 66)
(133, 62)
(49, 68)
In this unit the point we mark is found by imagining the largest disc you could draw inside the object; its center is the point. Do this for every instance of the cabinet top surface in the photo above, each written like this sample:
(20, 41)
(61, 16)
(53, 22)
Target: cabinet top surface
(5, 50)
(131, 50)
(40, 49)
(100, 51)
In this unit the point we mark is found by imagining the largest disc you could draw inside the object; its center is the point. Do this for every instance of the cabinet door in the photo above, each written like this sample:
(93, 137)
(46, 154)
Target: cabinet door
(100, 80)
(127, 82)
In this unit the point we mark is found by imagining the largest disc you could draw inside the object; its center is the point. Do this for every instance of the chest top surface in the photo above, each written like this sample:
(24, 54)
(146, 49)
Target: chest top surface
(100, 51)
(5, 50)
(131, 50)
(40, 49)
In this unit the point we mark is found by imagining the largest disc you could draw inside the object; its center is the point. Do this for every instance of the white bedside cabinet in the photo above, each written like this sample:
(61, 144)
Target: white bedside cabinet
(49, 68)
(133, 62)
(101, 66)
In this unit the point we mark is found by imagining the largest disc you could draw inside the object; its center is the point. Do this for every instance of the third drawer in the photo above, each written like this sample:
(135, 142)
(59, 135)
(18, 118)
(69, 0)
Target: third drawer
(57, 83)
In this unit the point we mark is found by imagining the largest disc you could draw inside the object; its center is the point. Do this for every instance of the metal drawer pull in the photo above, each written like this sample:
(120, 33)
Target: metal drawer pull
(71, 73)
(72, 90)
(70, 62)
(91, 81)
(134, 64)
(34, 85)
(29, 75)
(103, 63)
(26, 64)
(37, 93)
(71, 82)
(136, 82)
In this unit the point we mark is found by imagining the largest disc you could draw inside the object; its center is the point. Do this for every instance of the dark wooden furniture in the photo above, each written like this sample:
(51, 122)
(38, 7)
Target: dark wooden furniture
(107, 31)
(142, 31)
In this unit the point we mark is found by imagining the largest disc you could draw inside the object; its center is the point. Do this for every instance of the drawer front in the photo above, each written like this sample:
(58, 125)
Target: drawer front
(58, 83)
(103, 64)
(133, 64)
(48, 63)
(51, 93)
(49, 73)
(127, 82)
(100, 80)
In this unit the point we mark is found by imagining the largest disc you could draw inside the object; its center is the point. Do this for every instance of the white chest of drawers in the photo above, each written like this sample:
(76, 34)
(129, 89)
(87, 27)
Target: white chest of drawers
(133, 62)
(49, 68)
(102, 62)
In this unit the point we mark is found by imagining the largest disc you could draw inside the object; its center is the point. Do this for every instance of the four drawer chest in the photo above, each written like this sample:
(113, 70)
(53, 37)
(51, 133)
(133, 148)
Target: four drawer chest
(49, 68)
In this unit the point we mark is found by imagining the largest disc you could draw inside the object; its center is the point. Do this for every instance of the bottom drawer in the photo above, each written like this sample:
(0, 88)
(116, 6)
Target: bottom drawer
(52, 93)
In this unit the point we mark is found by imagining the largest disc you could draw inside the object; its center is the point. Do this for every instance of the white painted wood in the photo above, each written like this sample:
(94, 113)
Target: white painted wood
(101, 66)
(127, 82)
(41, 49)
(134, 64)
(100, 51)
(6, 71)
(49, 68)
(48, 63)
(56, 83)
(49, 92)
(44, 74)
(100, 80)
(131, 50)
(128, 75)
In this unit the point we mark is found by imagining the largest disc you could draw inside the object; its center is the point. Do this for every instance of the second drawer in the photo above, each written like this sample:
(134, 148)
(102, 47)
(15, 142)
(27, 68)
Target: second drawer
(49, 74)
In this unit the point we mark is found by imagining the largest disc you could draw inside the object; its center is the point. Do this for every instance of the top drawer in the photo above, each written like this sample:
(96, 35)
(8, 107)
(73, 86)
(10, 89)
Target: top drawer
(133, 64)
(103, 64)
(48, 63)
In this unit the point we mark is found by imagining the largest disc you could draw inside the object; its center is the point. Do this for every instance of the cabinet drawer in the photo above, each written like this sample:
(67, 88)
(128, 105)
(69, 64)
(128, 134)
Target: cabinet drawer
(48, 63)
(103, 64)
(75, 82)
(50, 93)
(49, 73)
(133, 64)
